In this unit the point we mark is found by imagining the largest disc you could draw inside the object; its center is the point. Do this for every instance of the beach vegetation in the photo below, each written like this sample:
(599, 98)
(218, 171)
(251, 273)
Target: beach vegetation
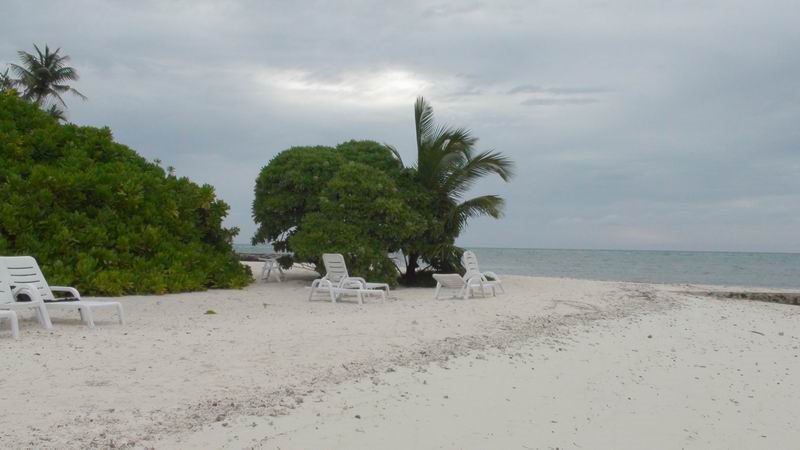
(448, 166)
(98, 216)
(360, 200)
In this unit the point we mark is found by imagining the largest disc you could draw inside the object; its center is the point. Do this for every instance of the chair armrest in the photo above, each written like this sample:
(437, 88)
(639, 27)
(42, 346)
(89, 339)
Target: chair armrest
(28, 290)
(69, 290)
(492, 275)
(469, 278)
(362, 283)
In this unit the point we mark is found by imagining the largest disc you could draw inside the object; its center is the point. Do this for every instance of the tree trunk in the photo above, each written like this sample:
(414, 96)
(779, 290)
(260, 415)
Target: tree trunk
(411, 268)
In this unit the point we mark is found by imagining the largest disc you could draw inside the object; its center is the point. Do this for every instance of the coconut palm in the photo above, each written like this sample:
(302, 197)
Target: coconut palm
(44, 75)
(56, 113)
(6, 82)
(447, 167)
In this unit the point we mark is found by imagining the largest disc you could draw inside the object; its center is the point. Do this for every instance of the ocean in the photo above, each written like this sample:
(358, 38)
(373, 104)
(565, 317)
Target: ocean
(776, 270)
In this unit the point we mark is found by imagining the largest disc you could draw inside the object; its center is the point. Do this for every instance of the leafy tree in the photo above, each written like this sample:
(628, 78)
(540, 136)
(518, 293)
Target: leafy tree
(44, 75)
(289, 187)
(100, 217)
(362, 215)
(447, 167)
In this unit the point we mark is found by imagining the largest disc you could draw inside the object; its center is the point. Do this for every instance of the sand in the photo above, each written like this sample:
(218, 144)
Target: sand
(551, 363)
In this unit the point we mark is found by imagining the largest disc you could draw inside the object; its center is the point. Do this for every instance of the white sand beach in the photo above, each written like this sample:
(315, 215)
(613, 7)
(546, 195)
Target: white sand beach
(552, 363)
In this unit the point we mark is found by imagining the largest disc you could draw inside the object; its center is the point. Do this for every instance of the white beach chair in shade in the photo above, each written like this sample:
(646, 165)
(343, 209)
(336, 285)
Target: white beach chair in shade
(271, 264)
(461, 286)
(470, 263)
(338, 282)
(9, 306)
(23, 270)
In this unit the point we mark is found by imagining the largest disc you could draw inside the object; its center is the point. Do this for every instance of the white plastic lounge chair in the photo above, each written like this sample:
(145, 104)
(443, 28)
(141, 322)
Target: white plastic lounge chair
(11, 316)
(8, 304)
(25, 270)
(271, 264)
(470, 263)
(338, 282)
(461, 286)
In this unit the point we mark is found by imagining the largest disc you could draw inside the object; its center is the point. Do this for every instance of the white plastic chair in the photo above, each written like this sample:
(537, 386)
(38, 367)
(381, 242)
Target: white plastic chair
(470, 263)
(9, 306)
(23, 270)
(338, 282)
(271, 264)
(11, 316)
(461, 286)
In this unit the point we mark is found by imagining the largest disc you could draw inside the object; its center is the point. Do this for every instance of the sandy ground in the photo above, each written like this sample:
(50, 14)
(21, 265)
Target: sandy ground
(552, 363)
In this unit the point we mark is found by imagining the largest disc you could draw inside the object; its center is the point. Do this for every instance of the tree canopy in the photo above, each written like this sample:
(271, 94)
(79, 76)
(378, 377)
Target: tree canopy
(100, 217)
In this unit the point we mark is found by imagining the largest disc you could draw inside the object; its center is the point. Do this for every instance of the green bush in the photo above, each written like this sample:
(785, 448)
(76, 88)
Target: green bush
(315, 200)
(363, 216)
(100, 217)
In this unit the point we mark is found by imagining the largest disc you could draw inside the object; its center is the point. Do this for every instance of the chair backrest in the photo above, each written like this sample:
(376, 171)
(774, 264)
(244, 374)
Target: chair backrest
(25, 270)
(470, 261)
(449, 280)
(335, 267)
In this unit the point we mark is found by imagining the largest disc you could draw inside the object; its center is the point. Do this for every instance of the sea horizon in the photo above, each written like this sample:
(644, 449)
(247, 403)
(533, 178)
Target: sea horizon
(719, 268)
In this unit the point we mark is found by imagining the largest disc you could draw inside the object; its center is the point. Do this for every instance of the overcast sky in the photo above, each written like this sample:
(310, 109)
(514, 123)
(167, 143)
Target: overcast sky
(635, 124)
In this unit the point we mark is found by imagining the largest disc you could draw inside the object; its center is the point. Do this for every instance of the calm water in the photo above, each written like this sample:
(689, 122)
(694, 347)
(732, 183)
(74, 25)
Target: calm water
(778, 270)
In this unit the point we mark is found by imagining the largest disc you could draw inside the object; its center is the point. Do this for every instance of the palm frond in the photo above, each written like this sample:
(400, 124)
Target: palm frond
(396, 153)
(461, 180)
(423, 121)
(485, 205)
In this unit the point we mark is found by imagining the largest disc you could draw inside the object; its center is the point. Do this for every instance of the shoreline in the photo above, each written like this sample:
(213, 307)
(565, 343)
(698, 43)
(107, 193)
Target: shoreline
(174, 371)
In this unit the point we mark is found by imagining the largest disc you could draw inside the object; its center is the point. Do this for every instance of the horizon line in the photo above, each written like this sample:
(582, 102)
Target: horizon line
(611, 249)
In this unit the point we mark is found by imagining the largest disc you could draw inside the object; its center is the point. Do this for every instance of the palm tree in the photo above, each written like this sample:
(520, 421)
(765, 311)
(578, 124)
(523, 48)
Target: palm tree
(447, 167)
(6, 82)
(43, 75)
(56, 113)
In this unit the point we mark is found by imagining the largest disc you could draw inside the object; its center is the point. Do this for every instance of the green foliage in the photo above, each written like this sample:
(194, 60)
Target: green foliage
(6, 83)
(363, 216)
(447, 167)
(359, 200)
(289, 187)
(100, 217)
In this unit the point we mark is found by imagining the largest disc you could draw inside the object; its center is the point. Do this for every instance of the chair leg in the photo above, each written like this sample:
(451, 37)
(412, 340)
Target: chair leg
(43, 316)
(436, 294)
(121, 314)
(14, 326)
(333, 296)
(89, 318)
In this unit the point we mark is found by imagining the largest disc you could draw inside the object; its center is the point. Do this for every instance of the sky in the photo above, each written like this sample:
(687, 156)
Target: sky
(634, 124)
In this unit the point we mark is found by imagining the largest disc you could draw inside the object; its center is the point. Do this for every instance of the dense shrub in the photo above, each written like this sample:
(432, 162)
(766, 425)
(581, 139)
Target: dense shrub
(100, 217)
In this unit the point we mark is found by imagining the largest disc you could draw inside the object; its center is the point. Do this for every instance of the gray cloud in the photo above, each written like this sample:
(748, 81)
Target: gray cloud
(563, 90)
(678, 127)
